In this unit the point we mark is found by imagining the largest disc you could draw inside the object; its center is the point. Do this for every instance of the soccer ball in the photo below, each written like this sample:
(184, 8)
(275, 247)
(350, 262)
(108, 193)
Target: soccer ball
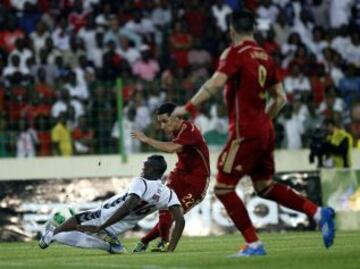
(60, 215)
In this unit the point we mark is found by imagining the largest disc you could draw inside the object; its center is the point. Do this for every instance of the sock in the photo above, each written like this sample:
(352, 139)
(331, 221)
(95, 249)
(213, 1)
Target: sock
(239, 215)
(255, 244)
(317, 215)
(286, 196)
(81, 240)
(165, 221)
(154, 233)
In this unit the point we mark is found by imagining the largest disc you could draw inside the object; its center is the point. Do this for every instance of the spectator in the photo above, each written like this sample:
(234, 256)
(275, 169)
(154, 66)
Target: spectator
(14, 67)
(220, 11)
(39, 37)
(83, 136)
(26, 141)
(146, 68)
(131, 145)
(23, 52)
(61, 35)
(88, 33)
(29, 18)
(296, 81)
(61, 137)
(294, 128)
(268, 11)
(128, 50)
(281, 29)
(352, 50)
(339, 13)
(62, 105)
(180, 42)
(161, 15)
(77, 18)
(10, 34)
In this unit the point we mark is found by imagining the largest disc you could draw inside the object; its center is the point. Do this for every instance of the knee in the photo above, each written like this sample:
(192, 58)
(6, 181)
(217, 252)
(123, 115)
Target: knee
(222, 190)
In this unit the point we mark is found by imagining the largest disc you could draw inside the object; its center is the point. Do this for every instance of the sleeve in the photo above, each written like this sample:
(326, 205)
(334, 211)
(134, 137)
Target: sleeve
(228, 63)
(188, 135)
(173, 199)
(138, 187)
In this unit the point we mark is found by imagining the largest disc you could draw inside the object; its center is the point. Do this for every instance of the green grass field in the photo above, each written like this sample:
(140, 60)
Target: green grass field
(285, 250)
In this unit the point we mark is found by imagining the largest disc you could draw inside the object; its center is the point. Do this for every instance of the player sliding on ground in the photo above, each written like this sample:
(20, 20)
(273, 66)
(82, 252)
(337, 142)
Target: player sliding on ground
(248, 74)
(120, 213)
(189, 179)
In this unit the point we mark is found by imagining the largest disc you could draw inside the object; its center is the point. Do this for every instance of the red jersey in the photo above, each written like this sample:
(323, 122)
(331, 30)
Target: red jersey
(250, 72)
(194, 157)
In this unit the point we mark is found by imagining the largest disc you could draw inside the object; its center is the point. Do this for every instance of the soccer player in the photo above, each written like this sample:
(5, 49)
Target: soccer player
(189, 179)
(120, 213)
(248, 74)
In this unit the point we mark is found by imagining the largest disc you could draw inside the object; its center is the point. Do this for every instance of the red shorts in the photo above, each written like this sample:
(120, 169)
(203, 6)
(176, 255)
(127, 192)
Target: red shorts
(189, 194)
(248, 156)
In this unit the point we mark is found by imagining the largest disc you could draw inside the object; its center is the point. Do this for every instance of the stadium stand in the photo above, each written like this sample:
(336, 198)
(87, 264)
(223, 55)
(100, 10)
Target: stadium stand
(62, 58)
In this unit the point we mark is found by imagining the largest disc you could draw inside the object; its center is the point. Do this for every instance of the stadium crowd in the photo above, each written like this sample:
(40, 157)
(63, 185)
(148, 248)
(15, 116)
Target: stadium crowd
(60, 61)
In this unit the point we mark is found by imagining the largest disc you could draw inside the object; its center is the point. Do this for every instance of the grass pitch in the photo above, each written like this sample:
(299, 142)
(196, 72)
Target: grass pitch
(285, 251)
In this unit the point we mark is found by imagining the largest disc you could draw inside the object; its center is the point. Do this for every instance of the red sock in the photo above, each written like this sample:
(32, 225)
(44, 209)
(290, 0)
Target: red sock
(239, 215)
(154, 233)
(165, 221)
(286, 196)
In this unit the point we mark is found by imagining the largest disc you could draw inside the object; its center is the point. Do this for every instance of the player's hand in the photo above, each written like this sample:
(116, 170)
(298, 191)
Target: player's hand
(139, 136)
(88, 228)
(179, 111)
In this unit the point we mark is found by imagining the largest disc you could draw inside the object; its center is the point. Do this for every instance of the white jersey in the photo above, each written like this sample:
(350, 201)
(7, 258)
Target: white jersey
(153, 194)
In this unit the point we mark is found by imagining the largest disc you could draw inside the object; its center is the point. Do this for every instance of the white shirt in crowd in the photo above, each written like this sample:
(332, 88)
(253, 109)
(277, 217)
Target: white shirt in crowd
(340, 12)
(60, 107)
(26, 144)
(269, 13)
(300, 83)
(220, 15)
(131, 145)
(293, 131)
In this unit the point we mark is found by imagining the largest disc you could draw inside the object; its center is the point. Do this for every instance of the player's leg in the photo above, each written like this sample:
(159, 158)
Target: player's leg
(286, 196)
(237, 158)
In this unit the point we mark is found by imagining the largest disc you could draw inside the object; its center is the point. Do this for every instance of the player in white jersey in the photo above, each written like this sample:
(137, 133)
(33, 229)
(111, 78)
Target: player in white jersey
(120, 213)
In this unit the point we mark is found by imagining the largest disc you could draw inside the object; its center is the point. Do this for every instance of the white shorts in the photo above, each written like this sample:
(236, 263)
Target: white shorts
(96, 218)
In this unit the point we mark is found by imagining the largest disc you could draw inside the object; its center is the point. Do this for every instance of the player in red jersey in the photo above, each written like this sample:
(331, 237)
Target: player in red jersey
(248, 74)
(189, 179)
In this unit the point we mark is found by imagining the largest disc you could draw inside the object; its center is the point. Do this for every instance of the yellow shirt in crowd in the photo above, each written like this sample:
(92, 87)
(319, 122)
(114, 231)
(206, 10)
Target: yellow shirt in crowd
(61, 134)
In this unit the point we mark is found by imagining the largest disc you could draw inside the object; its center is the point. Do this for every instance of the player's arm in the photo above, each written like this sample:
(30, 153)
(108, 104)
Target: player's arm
(277, 100)
(169, 147)
(211, 87)
(178, 216)
(131, 201)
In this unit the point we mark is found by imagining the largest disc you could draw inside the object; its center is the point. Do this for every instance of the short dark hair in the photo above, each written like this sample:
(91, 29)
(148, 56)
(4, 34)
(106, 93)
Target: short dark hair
(243, 21)
(165, 108)
(159, 164)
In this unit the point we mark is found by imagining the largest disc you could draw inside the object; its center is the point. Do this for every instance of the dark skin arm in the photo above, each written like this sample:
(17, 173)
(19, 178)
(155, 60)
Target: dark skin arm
(178, 216)
(130, 203)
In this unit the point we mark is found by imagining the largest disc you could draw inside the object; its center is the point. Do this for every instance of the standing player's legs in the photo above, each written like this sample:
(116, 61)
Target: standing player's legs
(236, 159)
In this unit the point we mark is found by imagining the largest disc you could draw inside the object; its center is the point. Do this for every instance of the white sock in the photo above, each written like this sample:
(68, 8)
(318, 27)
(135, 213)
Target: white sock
(317, 215)
(255, 244)
(81, 240)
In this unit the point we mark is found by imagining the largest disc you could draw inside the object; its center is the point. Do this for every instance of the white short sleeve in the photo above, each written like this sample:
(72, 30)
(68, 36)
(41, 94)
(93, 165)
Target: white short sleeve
(138, 186)
(173, 199)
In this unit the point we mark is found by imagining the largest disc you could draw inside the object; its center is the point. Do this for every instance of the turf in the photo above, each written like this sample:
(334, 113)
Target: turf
(285, 250)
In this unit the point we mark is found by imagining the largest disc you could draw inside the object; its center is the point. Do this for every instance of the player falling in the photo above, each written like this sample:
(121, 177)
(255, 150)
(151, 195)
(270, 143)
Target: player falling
(248, 74)
(120, 213)
(189, 179)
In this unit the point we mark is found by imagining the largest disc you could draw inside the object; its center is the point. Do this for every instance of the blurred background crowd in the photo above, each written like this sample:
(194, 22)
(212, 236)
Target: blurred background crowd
(60, 60)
